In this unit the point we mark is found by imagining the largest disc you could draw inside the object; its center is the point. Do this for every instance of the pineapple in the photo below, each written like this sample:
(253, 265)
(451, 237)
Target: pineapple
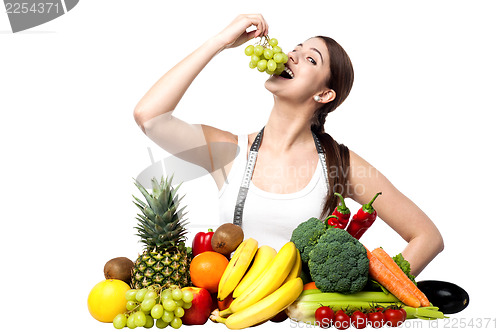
(165, 260)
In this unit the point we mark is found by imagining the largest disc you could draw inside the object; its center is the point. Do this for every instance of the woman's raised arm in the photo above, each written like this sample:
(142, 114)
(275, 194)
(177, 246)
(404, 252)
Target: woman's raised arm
(166, 93)
(154, 111)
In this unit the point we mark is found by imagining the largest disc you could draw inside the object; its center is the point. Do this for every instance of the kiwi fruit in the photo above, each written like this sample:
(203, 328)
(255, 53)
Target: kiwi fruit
(227, 238)
(119, 268)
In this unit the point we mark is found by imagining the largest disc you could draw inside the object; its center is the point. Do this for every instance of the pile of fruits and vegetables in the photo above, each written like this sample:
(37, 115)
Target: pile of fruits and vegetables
(222, 275)
(323, 276)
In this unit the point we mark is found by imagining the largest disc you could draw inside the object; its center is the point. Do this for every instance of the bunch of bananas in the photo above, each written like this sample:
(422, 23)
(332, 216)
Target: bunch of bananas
(260, 290)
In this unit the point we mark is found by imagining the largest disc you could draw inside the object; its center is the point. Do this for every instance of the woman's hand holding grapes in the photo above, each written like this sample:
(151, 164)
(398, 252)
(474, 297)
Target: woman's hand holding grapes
(235, 34)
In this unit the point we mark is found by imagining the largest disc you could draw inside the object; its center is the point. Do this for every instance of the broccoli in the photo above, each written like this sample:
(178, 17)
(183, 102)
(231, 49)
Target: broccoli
(338, 262)
(305, 236)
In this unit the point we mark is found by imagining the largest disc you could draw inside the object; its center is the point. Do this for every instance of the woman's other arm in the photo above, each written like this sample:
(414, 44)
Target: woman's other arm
(398, 211)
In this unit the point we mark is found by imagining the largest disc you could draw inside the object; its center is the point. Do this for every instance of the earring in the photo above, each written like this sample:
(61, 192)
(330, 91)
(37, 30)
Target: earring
(317, 98)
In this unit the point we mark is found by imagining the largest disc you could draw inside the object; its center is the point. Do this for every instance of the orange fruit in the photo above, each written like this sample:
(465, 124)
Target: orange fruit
(206, 269)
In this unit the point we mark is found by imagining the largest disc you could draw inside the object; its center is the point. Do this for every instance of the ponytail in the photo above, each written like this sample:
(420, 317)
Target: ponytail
(336, 155)
(337, 164)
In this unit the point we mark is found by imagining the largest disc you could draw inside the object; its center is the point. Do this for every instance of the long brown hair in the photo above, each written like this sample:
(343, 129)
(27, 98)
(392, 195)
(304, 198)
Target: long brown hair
(337, 155)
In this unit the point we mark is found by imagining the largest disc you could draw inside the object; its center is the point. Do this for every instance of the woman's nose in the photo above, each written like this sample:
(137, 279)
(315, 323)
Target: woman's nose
(291, 57)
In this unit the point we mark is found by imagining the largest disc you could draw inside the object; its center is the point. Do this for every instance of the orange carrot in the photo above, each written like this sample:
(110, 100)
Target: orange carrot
(396, 270)
(310, 285)
(386, 278)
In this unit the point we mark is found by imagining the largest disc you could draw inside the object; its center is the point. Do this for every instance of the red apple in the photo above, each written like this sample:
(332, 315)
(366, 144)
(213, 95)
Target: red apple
(200, 309)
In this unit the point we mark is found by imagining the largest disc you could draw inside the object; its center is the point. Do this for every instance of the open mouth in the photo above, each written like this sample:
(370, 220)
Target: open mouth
(287, 73)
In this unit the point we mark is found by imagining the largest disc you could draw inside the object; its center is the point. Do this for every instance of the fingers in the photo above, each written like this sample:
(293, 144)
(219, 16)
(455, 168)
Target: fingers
(259, 22)
(237, 32)
(250, 35)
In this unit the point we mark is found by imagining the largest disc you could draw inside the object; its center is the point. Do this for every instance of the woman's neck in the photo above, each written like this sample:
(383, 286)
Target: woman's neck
(287, 126)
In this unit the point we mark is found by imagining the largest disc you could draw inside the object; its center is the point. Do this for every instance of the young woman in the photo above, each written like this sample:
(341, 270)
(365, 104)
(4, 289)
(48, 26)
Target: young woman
(299, 166)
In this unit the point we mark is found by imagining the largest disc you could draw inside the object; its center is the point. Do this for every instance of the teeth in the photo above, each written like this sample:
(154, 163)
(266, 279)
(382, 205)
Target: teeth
(289, 71)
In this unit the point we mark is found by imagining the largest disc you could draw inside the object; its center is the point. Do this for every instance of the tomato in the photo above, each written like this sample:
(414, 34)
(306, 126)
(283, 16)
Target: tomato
(359, 319)
(324, 316)
(403, 312)
(376, 319)
(342, 321)
(394, 317)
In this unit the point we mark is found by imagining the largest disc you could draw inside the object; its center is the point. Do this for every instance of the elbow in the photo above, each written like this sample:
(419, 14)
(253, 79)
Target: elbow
(438, 241)
(144, 118)
(139, 117)
(439, 244)
(431, 242)
(435, 242)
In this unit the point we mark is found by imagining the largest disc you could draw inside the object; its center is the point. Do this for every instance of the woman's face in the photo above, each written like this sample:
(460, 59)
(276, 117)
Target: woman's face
(309, 64)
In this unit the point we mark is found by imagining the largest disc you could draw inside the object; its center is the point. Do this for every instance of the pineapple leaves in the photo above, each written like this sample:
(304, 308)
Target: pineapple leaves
(156, 186)
(163, 199)
(168, 215)
(161, 223)
(153, 203)
(139, 203)
(144, 227)
(180, 213)
(149, 213)
(174, 192)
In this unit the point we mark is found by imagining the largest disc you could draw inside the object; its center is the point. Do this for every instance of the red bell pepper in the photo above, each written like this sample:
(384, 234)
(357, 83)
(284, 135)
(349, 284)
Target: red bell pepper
(363, 219)
(342, 212)
(202, 242)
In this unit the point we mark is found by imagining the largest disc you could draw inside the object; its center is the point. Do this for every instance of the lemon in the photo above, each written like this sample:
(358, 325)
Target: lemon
(107, 299)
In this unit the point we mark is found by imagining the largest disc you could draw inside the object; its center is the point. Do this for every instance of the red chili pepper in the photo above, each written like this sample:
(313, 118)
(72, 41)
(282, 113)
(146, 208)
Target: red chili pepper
(363, 219)
(332, 221)
(202, 242)
(342, 212)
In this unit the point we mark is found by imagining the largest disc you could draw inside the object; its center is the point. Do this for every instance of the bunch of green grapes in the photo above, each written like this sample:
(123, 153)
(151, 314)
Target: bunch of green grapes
(147, 304)
(267, 56)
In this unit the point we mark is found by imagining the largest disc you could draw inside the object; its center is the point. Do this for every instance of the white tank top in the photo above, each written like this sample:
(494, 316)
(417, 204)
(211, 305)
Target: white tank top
(268, 217)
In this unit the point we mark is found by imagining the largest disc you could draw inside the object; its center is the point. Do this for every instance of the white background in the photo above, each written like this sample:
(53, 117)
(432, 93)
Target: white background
(423, 110)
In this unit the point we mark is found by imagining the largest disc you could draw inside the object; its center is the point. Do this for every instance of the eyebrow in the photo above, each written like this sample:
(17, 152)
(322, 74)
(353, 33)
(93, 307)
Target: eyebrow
(314, 49)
